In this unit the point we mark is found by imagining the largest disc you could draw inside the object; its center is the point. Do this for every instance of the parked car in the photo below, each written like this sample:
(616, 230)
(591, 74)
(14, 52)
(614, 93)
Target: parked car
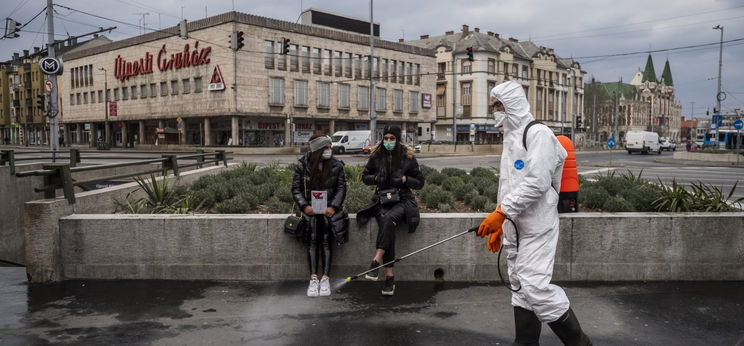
(643, 142)
(668, 144)
(417, 148)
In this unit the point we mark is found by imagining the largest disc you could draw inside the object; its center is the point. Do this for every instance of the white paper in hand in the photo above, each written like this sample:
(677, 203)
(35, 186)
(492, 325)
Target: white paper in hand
(319, 201)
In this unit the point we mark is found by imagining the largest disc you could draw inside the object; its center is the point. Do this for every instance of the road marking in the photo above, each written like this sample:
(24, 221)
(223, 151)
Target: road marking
(601, 170)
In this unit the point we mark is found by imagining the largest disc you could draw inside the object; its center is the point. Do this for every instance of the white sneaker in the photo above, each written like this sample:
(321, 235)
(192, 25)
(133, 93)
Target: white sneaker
(325, 287)
(312, 289)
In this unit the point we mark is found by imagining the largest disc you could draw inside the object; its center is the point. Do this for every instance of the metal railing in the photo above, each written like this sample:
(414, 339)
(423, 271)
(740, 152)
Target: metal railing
(60, 175)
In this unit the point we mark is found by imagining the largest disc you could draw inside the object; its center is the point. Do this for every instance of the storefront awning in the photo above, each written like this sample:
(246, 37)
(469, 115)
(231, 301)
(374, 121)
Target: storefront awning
(441, 88)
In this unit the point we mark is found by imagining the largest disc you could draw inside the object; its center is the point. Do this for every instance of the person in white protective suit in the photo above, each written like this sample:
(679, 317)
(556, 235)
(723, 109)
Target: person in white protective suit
(529, 180)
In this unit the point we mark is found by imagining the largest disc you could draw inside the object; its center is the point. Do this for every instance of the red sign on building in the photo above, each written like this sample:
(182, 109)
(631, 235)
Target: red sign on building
(189, 56)
(112, 109)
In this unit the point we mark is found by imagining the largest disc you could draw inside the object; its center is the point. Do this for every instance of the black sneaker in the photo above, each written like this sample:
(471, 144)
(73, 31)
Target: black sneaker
(373, 275)
(388, 289)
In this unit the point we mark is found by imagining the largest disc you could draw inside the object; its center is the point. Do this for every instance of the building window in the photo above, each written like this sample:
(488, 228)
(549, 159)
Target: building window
(465, 98)
(124, 93)
(72, 99)
(269, 54)
(466, 66)
(525, 72)
(413, 105)
(281, 57)
(384, 70)
(143, 91)
(375, 68)
(116, 94)
(293, 58)
(397, 100)
(491, 85)
(402, 72)
(316, 61)
(100, 96)
(358, 67)
(134, 92)
(300, 93)
(276, 91)
(153, 90)
(108, 95)
(327, 62)
(92, 97)
(365, 67)
(186, 85)
(305, 59)
(78, 98)
(339, 62)
(381, 99)
(441, 100)
(163, 88)
(343, 96)
(363, 98)
(491, 66)
(515, 70)
(324, 95)
(347, 65)
(393, 71)
(417, 77)
(174, 87)
(539, 102)
(72, 78)
(197, 84)
(85, 98)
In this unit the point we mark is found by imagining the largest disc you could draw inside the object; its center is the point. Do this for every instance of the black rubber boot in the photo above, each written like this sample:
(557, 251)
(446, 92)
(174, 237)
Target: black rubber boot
(527, 328)
(567, 329)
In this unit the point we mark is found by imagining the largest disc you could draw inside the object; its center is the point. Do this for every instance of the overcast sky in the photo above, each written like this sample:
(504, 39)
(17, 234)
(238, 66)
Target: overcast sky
(578, 28)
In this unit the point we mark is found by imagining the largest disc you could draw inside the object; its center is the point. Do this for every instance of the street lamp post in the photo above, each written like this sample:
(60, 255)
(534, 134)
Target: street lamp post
(106, 105)
(719, 96)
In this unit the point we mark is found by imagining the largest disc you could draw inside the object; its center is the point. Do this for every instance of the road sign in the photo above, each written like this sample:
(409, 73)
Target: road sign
(458, 110)
(217, 82)
(179, 120)
(50, 66)
(611, 143)
(113, 109)
(738, 124)
(48, 85)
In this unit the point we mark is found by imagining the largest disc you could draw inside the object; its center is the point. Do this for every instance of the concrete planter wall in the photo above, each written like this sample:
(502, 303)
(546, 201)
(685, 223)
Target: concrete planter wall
(592, 246)
(683, 155)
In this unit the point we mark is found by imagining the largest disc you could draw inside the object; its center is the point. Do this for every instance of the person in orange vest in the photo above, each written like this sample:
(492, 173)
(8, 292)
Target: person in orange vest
(568, 199)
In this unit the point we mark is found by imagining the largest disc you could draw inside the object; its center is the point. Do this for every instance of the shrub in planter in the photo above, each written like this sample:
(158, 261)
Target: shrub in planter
(435, 178)
(593, 197)
(437, 196)
(263, 192)
(617, 204)
(445, 208)
(453, 172)
(353, 173)
(470, 196)
(479, 202)
(284, 193)
(483, 172)
(481, 184)
(357, 196)
(451, 183)
(614, 185)
(277, 206)
(426, 170)
(492, 192)
(461, 191)
(237, 205)
(642, 196)
(490, 207)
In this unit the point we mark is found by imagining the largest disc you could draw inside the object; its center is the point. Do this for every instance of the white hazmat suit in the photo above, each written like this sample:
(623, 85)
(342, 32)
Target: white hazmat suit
(528, 194)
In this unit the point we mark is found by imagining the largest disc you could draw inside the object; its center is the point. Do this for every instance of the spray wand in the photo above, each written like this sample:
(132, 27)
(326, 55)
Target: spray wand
(411, 254)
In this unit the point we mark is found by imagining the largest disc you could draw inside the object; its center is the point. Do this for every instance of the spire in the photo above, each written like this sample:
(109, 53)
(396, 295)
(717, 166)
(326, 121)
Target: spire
(666, 76)
(649, 75)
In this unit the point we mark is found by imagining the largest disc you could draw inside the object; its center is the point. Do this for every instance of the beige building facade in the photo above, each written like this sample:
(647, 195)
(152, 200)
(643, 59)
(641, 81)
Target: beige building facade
(553, 85)
(198, 91)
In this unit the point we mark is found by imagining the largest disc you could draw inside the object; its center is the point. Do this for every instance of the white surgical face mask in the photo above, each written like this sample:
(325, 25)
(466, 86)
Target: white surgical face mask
(327, 154)
(499, 117)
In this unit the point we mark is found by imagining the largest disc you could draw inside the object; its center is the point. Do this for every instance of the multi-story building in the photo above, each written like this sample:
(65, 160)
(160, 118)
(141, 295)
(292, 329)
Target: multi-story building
(198, 91)
(647, 103)
(554, 86)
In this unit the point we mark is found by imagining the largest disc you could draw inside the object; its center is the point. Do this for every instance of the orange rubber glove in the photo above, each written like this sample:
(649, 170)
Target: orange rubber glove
(494, 241)
(492, 223)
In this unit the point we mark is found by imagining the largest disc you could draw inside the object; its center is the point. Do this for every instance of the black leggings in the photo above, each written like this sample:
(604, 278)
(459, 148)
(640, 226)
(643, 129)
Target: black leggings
(320, 238)
(387, 220)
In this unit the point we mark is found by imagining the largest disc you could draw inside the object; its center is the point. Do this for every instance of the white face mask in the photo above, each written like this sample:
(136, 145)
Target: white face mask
(499, 117)
(327, 154)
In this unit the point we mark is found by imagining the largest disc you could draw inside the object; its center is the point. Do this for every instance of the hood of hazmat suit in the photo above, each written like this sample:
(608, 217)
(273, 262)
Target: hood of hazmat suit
(528, 185)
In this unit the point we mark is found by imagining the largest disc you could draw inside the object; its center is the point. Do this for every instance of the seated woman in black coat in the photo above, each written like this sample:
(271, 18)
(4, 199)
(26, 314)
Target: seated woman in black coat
(318, 170)
(393, 169)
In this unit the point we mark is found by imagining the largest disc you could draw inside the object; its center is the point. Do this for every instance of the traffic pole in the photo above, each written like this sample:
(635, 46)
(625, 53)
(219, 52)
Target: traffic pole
(54, 128)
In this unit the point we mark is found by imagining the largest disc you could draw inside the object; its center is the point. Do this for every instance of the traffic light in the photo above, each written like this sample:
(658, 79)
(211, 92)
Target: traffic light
(11, 28)
(183, 29)
(578, 121)
(41, 102)
(285, 46)
(240, 40)
(470, 53)
(234, 41)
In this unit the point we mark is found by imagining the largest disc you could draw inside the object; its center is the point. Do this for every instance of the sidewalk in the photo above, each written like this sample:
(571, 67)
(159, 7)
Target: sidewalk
(420, 313)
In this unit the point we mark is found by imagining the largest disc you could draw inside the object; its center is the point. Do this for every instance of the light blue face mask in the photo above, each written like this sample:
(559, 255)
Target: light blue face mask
(389, 145)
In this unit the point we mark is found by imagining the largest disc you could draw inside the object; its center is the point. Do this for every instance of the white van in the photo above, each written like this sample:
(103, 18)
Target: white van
(643, 142)
(350, 141)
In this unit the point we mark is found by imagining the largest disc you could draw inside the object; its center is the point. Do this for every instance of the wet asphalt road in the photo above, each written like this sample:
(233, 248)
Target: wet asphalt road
(420, 313)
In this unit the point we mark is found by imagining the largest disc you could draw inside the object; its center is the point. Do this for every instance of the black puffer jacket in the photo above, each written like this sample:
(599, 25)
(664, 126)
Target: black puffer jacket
(336, 193)
(380, 173)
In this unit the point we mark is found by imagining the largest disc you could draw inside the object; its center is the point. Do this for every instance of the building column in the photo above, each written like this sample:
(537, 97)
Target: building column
(207, 132)
(234, 127)
(124, 134)
(79, 133)
(141, 139)
(93, 134)
(332, 126)
(288, 140)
